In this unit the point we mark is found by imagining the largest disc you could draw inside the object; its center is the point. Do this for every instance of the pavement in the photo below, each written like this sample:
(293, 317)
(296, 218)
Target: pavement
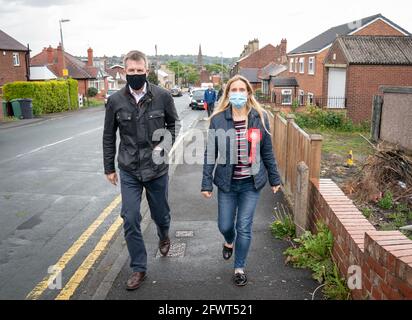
(194, 268)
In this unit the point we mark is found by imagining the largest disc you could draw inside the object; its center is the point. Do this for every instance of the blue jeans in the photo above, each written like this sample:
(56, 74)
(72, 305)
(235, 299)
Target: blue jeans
(236, 211)
(156, 194)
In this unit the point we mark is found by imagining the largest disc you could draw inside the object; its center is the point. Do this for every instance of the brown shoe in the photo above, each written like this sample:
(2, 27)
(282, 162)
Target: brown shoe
(135, 280)
(164, 247)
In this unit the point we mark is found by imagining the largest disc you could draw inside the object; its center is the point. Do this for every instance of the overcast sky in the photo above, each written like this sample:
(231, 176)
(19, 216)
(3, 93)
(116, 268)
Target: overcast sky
(178, 26)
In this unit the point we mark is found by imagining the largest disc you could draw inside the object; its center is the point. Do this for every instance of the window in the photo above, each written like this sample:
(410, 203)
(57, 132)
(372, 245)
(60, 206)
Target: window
(310, 99)
(296, 65)
(302, 65)
(311, 65)
(301, 97)
(286, 97)
(94, 84)
(291, 65)
(16, 59)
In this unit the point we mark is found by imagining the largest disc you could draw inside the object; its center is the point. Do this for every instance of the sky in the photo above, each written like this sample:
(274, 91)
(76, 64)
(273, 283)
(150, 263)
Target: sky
(222, 27)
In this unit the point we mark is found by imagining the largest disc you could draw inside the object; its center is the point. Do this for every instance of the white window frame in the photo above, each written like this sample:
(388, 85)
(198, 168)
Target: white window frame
(291, 64)
(296, 65)
(302, 65)
(16, 59)
(311, 66)
(287, 92)
(311, 96)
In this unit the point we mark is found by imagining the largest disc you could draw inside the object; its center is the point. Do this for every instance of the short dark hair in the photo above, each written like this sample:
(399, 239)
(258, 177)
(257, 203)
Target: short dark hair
(136, 56)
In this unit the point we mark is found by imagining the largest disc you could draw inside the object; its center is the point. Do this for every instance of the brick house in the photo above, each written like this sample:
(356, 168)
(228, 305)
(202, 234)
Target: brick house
(306, 63)
(13, 60)
(253, 60)
(117, 79)
(357, 66)
(83, 71)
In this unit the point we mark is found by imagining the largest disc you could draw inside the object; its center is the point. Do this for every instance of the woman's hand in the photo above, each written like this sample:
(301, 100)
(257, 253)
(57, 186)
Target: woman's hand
(207, 194)
(275, 189)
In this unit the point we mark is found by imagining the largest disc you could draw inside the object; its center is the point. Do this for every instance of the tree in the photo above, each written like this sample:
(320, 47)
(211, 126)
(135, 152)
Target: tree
(92, 92)
(152, 78)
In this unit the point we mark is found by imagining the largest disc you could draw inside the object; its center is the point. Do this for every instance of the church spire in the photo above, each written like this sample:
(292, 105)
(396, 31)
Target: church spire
(200, 58)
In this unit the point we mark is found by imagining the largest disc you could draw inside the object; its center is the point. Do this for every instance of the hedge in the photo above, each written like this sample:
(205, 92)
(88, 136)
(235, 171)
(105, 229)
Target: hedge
(48, 97)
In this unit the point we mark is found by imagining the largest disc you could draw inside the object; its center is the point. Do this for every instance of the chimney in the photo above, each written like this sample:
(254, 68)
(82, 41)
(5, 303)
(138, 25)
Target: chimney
(90, 57)
(60, 64)
(50, 55)
(283, 50)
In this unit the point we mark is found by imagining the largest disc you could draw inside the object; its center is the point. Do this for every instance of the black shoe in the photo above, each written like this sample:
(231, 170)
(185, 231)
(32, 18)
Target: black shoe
(227, 252)
(240, 279)
(164, 247)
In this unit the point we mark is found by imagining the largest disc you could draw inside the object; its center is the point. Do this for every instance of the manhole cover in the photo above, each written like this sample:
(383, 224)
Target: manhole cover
(177, 250)
(184, 234)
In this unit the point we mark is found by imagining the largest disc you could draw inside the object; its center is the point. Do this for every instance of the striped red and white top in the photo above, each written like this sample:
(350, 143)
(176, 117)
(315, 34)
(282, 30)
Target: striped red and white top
(243, 168)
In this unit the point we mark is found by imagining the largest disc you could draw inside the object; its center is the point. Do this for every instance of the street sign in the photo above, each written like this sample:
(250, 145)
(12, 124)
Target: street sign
(65, 73)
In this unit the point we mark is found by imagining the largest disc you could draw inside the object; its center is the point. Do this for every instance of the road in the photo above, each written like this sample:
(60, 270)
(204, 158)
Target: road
(55, 203)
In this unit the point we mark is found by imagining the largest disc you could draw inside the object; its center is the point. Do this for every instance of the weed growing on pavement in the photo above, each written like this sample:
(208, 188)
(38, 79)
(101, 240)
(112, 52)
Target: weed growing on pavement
(314, 252)
(283, 228)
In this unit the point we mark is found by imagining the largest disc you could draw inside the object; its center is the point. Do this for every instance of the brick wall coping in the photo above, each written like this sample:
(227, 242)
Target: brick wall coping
(401, 90)
(384, 256)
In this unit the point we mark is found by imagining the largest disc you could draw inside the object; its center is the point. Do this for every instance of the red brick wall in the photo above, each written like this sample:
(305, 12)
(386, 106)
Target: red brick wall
(10, 73)
(363, 83)
(307, 82)
(385, 258)
(262, 57)
(379, 28)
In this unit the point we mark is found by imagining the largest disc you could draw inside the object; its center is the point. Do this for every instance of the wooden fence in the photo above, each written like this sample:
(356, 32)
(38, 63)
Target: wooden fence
(292, 145)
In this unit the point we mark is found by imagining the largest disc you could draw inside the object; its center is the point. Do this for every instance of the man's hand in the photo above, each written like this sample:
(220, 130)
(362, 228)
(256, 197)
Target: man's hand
(207, 194)
(112, 178)
(275, 189)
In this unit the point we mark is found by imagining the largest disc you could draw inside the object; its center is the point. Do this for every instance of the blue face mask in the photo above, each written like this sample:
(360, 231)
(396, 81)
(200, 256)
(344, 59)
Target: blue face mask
(238, 100)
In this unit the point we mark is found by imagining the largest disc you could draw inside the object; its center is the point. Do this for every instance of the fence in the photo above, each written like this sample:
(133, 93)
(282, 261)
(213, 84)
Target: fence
(292, 145)
(302, 101)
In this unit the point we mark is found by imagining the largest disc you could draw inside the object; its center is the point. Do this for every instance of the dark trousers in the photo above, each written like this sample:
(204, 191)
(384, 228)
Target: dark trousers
(210, 108)
(157, 198)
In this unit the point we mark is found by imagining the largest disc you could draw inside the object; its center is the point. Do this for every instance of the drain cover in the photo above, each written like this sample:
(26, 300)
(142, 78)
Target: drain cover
(184, 234)
(177, 250)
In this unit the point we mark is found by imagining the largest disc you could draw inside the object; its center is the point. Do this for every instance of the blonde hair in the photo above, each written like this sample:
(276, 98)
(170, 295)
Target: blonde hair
(252, 103)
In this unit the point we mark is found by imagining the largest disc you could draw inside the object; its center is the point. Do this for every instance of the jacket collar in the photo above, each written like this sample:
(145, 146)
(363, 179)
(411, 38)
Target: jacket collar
(228, 114)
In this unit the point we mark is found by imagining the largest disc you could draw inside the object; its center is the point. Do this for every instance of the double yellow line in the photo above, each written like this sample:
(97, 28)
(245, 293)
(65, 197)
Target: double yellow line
(68, 291)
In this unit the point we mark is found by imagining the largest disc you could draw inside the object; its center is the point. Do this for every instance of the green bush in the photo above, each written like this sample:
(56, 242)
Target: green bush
(48, 96)
(316, 118)
(92, 92)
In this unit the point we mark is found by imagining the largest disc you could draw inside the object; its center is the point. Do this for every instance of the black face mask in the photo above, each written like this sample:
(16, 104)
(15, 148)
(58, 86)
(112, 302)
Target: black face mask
(136, 81)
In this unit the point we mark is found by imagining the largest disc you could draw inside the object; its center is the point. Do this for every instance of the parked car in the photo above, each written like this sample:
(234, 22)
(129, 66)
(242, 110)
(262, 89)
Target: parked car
(109, 93)
(176, 92)
(197, 99)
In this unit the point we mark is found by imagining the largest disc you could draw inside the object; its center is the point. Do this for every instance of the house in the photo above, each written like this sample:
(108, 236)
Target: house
(117, 77)
(253, 60)
(14, 59)
(85, 73)
(357, 66)
(306, 62)
(268, 74)
(166, 77)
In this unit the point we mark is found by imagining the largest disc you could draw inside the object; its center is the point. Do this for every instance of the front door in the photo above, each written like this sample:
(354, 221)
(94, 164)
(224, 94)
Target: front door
(337, 88)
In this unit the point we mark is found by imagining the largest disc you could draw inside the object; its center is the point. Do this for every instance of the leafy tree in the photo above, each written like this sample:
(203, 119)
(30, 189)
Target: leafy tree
(152, 78)
(92, 92)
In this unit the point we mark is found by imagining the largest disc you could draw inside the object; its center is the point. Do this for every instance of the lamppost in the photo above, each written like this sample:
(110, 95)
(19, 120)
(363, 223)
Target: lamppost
(65, 72)
(61, 40)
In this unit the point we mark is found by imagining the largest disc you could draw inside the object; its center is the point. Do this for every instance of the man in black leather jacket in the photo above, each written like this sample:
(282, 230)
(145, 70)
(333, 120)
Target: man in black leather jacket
(148, 124)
